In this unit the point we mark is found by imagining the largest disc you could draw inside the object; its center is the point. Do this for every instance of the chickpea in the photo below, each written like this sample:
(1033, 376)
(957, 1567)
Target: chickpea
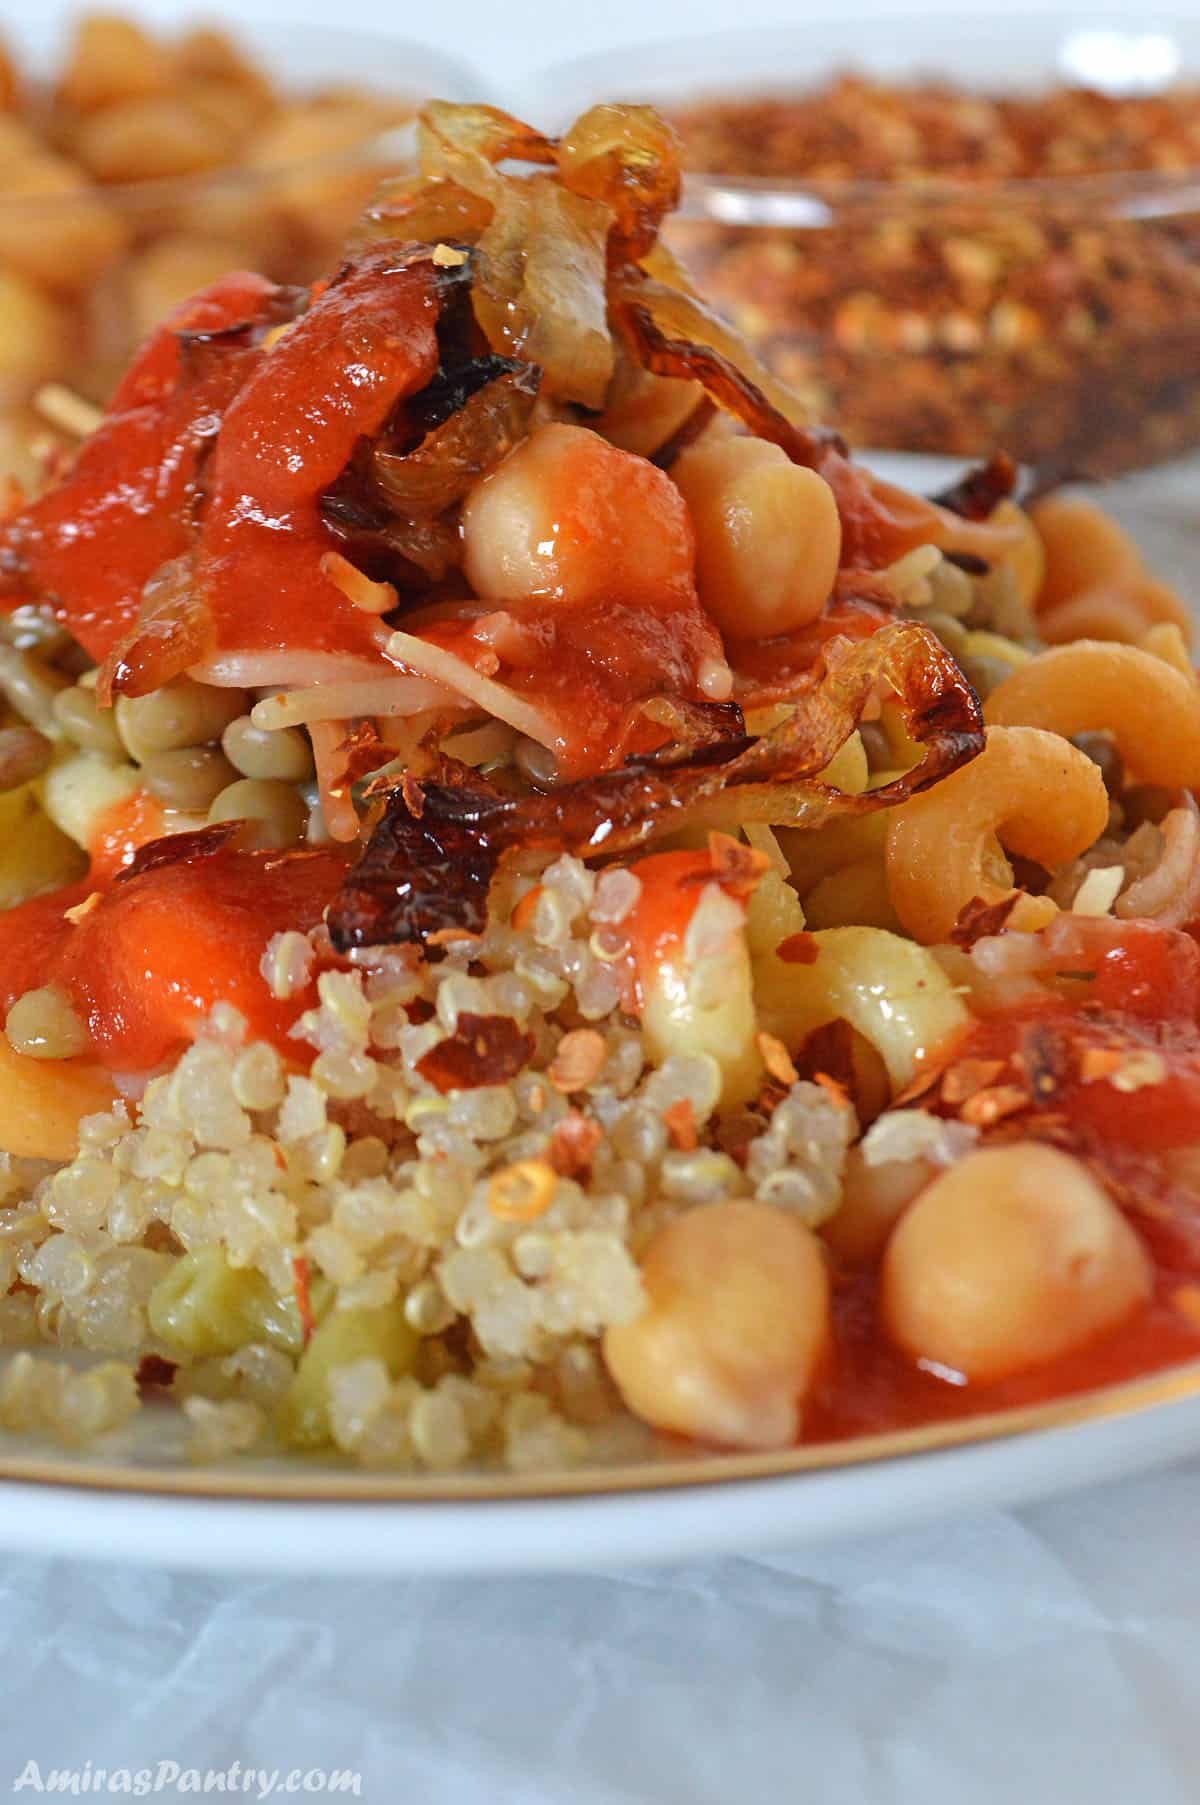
(275, 813)
(768, 536)
(183, 713)
(282, 752)
(569, 518)
(112, 59)
(168, 272)
(149, 138)
(33, 333)
(42, 1103)
(1011, 1258)
(735, 1326)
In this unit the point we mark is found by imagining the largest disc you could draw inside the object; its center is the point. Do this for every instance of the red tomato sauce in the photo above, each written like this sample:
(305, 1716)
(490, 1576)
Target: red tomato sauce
(588, 667)
(146, 963)
(91, 544)
(1142, 988)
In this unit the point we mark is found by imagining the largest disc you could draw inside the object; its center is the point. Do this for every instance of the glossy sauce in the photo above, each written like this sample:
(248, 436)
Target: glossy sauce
(90, 545)
(146, 963)
(1143, 987)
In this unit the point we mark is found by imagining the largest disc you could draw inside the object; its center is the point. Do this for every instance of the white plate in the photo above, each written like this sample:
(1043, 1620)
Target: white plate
(272, 1518)
(141, 1501)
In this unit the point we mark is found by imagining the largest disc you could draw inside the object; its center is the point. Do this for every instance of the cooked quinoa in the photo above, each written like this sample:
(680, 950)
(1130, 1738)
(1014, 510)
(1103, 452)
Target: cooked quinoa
(466, 1249)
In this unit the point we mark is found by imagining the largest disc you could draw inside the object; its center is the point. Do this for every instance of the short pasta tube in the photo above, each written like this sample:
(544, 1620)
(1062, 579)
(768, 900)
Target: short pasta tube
(1151, 710)
(1029, 791)
(692, 967)
(891, 992)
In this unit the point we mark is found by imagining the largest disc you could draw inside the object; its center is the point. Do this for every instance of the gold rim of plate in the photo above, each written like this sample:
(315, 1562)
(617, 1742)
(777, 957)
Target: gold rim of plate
(311, 1482)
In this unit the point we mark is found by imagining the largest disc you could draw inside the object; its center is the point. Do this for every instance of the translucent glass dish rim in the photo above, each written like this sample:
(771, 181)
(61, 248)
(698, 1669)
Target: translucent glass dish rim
(775, 60)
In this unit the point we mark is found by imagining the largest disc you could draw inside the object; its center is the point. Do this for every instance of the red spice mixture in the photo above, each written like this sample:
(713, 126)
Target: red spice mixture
(1039, 318)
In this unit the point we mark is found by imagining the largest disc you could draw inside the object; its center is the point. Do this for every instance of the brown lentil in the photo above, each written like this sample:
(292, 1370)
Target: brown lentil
(283, 753)
(187, 777)
(29, 686)
(1101, 748)
(275, 812)
(183, 713)
(84, 721)
(24, 755)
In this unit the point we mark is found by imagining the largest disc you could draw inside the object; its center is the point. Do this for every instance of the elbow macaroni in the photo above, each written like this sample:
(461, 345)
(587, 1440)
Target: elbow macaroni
(1028, 790)
(697, 994)
(891, 992)
(1151, 710)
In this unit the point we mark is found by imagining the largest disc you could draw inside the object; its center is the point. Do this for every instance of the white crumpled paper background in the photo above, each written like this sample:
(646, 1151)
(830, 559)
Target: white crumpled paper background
(1050, 1654)
(1046, 1656)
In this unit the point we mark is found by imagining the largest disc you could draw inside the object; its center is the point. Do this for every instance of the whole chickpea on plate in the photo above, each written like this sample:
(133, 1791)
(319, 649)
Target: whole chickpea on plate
(557, 921)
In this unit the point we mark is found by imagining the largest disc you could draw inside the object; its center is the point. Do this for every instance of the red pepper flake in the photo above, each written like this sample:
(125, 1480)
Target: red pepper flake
(833, 1088)
(1045, 1056)
(980, 920)
(484, 1049)
(449, 936)
(799, 949)
(988, 1106)
(154, 1373)
(414, 795)
(303, 1298)
(736, 866)
(776, 1058)
(967, 1077)
(680, 1120)
(1099, 1062)
(360, 752)
(573, 1144)
(522, 915)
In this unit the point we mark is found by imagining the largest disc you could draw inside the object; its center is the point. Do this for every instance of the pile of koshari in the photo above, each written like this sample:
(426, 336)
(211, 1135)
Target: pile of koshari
(545, 904)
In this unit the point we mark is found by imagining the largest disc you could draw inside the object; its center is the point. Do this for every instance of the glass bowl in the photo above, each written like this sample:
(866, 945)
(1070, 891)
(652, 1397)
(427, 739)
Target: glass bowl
(88, 268)
(1056, 315)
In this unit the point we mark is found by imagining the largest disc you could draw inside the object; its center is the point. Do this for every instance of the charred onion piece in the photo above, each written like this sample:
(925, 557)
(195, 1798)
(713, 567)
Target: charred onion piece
(432, 857)
(628, 158)
(439, 471)
(978, 491)
(675, 334)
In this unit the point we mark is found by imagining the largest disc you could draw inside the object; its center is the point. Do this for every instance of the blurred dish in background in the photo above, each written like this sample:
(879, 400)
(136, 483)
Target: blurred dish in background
(949, 242)
(145, 167)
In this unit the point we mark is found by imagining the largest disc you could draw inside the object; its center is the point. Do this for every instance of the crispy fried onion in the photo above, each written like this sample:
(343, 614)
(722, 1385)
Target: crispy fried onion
(431, 859)
(438, 472)
(546, 244)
